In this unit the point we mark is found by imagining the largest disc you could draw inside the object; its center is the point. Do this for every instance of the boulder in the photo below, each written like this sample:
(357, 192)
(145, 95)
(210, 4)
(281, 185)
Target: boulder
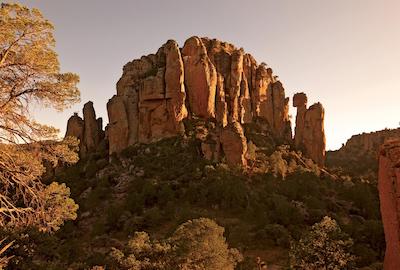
(234, 145)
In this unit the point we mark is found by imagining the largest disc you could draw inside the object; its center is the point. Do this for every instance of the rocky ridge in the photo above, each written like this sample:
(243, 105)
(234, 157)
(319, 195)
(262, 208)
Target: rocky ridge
(361, 152)
(370, 142)
(205, 81)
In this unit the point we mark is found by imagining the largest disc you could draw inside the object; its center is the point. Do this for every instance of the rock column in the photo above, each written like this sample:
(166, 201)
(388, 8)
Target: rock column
(309, 131)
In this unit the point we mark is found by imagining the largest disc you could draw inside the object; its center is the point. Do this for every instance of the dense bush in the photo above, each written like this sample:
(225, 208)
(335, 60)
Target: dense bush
(196, 244)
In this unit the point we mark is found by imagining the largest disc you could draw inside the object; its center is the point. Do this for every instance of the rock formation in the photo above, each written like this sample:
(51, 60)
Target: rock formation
(389, 194)
(309, 131)
(207, 81)
(75, 127)
(88, 130)
(150, 100)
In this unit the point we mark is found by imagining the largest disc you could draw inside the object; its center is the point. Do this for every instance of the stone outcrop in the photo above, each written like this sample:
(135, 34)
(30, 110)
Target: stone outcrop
(207, 81)
(150, 100)
(309, 131)
(88, 130)
(389, 195)
(75, 127)
(234, 144)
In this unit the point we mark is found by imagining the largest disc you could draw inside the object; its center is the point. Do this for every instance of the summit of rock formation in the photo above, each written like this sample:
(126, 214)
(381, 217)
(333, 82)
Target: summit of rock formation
(389, 195)
(210, 82)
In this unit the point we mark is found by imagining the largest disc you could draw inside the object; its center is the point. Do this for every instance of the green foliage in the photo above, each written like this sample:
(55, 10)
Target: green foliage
(324, 247)
(167, 184)
(196, 244)
(59, 206)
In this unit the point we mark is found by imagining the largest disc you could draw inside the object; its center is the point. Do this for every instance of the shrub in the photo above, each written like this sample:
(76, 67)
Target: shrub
(324, 247)
(196, 244)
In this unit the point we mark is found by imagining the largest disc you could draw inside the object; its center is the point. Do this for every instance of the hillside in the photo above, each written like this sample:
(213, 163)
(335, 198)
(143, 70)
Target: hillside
(156, 187)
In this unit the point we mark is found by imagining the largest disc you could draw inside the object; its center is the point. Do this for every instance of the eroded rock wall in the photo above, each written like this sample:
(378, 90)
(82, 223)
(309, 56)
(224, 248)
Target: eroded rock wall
(389, 195)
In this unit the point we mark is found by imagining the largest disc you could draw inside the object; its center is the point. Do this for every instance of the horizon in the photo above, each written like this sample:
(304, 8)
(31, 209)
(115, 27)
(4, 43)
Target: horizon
(342, 54)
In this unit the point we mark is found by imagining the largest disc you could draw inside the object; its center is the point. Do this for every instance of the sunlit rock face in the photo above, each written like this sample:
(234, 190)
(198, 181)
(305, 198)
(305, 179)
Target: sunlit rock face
(309, 132)
(206, 80)
(389, 195)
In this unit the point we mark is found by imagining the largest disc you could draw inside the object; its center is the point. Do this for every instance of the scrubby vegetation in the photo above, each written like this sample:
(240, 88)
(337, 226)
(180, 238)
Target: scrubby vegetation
(196, 244)
(155, 188)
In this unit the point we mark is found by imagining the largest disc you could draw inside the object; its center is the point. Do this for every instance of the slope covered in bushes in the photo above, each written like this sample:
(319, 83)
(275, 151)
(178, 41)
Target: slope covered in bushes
(156, 187)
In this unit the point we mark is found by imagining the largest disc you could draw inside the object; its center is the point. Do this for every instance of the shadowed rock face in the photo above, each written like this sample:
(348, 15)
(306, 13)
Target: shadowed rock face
(389, 195)
(207, 80)
(309, 131)
(88, 130)
(75, 127)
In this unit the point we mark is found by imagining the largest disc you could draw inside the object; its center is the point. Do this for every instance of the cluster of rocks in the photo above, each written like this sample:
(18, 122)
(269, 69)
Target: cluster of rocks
(211, 81)
(88, 130)
(389, 195)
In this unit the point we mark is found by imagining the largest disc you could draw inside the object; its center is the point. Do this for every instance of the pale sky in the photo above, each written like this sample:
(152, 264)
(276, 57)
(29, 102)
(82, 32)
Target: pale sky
(343, 53)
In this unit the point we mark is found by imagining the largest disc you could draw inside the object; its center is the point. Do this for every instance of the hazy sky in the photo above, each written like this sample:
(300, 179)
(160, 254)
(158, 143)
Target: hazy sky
(343, 53)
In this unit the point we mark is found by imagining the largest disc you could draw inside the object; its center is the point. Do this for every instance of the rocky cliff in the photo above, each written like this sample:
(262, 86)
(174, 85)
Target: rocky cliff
(213, 83)
(389, 194)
